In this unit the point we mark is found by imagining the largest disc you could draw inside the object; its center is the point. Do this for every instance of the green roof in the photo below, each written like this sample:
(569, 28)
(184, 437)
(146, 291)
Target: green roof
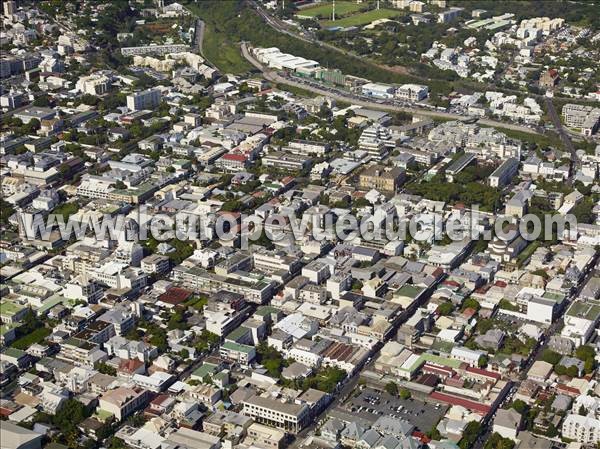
(5, 328)
(206, 369)
(266, 310)
(103, 415)
(588, 310)
(432, 358)
(230, 346)
(14, 352)
(138, 190)
(51, 302)
(221, 375)
(8, 308)
(558, 297)
(410, 291)
(237, 333)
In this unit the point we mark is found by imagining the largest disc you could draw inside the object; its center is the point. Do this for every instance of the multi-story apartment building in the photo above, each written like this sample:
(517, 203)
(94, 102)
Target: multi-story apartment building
(155, 263)
(583, 429)
(146, 99)
(123, 401)
(94, 84)
(504, 173)
(377, 141)
(286, 161)
(271, 262)
(412, 92)
(154, 49)
(307, 147)
(236, 352)
(196, 278)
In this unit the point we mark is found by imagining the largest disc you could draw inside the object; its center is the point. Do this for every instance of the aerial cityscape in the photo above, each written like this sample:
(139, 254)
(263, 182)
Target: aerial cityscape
(303, 224)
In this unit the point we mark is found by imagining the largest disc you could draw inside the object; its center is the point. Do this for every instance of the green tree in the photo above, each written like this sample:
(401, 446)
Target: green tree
(106, 369)
(392, 388)
(496, 441)
(483, 361)
(470, 303)
(572, 371)
(42, 101)
(585, 352)
(551, 357)
(469, 435)
(520, 406)
(405, 394)
(445, 308)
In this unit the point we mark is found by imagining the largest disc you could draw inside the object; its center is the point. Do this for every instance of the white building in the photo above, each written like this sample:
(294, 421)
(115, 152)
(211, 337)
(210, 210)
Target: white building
(412, 92)
(586, 118)
(466, 355)
(157, 382)
(94, 84)
(583, 429)
(147, 99)
(504, 173)
(377, 90)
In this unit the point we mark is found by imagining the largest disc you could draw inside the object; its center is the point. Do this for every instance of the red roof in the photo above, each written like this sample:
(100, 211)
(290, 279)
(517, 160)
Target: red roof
(438, 369)
(483, 372)
(476, 407)
(175, 295)
(469, 312)
(437, 272)
(568, 390)
(235, 157)
(130, 365)
(452, 283)
(500, 284)
(421, 436)
(233, 215)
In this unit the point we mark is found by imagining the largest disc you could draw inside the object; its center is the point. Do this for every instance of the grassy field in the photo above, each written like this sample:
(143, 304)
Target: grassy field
(325, 10)
(550, 139)
(297, 90)
(218, 48)
(362, 19)
(35, 337)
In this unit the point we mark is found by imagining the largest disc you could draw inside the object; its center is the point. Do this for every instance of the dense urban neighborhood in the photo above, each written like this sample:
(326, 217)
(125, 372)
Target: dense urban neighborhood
(303, 224)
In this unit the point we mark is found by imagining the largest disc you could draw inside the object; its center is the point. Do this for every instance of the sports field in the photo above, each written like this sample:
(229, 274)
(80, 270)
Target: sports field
(324, 10)
(361, 19)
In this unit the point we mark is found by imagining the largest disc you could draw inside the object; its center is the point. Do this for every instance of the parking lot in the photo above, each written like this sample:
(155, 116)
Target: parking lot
(371, 404)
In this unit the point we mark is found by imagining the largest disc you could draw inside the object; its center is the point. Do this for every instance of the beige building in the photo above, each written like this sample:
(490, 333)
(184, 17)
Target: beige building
(381, 178)
(265, 437)
(122, 401)
(286, 416)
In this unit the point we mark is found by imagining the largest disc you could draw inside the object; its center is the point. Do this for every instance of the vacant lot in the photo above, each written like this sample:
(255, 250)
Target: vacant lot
(34, 337)
(325, 10)
(218, 46)
(363, 18)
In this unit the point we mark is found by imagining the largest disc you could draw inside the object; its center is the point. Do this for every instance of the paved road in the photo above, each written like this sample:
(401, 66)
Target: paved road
(199, 36)
(285, 28)
(340, 95)
(564, 135)
(538, 350)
